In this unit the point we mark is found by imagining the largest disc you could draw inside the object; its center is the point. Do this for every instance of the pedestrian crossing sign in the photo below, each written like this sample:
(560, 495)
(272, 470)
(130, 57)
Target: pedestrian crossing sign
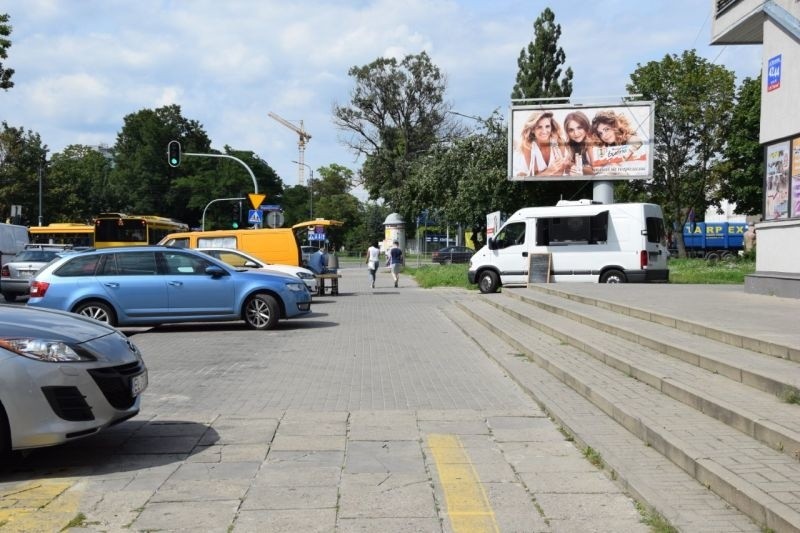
(254, 217)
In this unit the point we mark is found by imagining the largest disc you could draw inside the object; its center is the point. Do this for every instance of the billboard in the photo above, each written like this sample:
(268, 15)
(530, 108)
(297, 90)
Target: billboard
(581, 142)
(777, 182)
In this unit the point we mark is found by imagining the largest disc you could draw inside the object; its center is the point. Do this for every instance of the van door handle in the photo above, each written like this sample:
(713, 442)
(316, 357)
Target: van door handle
(524, 254)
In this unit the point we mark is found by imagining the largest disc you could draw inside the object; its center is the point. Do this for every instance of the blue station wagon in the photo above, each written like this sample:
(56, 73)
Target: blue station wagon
(151, 285)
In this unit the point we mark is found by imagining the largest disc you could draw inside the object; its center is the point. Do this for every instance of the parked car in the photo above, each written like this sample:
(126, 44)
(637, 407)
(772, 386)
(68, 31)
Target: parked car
(63, 377)
(240, 259)
(452, 254)
(16, 274)
(151, 285)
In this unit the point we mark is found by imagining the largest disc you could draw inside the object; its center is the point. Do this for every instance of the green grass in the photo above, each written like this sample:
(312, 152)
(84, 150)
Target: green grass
(429, 276)
(680, 271)
(702, 271)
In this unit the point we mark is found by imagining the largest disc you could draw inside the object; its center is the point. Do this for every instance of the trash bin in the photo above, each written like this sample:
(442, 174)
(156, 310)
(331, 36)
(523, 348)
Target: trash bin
(333, 262)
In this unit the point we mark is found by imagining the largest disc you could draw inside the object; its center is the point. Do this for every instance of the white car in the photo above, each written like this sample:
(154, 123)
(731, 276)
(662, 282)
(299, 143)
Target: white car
(240, 259)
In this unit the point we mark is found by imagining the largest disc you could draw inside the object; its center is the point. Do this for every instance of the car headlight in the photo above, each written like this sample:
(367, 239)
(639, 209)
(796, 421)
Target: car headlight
(305, 275)
(297, 287)
(51, 351)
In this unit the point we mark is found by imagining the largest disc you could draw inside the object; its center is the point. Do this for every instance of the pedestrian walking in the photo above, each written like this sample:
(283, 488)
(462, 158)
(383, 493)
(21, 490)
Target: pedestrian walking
(395, 261)
(373, 258)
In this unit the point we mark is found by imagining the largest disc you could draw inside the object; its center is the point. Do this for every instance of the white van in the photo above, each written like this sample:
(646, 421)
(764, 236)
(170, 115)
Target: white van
(586, 241)
(13, 239)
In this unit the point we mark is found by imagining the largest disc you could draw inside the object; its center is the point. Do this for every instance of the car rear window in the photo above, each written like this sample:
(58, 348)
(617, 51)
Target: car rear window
(40, 256)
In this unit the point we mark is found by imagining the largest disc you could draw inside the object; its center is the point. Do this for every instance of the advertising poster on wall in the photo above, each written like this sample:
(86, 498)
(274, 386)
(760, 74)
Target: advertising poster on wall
(581, 142)
(777, 182)
(795, 177)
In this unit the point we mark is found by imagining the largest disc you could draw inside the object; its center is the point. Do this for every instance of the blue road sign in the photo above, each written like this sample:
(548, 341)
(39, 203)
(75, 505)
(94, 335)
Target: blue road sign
(254, 216)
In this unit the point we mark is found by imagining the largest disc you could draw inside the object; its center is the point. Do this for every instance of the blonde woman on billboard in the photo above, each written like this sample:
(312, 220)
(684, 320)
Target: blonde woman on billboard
(580, 142)
(540, 148)
(618, 141)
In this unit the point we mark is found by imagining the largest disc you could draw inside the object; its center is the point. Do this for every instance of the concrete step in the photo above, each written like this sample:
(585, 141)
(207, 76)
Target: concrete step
(708, 326)
(759, 481)
(760, 415)
(774, 375)
(645, 474)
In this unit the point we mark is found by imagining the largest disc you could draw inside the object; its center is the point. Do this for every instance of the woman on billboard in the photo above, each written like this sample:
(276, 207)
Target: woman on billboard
(618, 143)
(580, 142)
(540, 151)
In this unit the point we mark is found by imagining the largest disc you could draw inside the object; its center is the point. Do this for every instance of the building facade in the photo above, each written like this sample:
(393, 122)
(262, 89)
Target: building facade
(774, 24)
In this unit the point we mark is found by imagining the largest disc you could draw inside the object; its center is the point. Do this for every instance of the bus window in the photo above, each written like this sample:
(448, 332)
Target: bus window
(116, 229)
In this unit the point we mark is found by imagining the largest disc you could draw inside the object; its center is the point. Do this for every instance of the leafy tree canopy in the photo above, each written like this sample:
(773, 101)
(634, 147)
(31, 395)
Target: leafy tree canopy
(540, 63)
(5, 44)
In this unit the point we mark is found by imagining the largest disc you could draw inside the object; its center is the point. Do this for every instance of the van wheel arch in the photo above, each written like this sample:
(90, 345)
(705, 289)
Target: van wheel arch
(488, 281)
(613, 275)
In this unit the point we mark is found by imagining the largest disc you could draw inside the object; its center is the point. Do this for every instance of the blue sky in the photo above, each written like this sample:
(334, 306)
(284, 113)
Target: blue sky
(82, 65)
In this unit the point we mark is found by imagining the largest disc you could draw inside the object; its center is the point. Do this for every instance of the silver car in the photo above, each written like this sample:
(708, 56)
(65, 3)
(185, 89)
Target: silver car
(63, 377)
(16, 274)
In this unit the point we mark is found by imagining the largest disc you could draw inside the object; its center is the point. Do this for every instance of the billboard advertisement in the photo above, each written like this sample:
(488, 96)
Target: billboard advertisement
(777, 182)
(581, 142)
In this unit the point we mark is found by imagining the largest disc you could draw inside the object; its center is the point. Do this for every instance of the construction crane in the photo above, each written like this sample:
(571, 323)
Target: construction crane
(301, 144)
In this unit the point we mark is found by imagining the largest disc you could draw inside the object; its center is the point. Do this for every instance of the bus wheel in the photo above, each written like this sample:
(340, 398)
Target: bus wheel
(613, 276)
(712, 257)
(97, 310)
(488, 281)
(261, 311)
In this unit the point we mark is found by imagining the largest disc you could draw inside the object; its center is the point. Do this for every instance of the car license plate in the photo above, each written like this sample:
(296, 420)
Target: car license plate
(26, 274)
(138, 384)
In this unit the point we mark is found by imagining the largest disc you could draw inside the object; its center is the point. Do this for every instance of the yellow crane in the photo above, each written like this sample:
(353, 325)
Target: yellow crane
(301, 144)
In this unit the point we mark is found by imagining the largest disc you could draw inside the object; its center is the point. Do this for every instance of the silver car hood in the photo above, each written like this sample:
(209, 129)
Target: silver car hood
(21, 321)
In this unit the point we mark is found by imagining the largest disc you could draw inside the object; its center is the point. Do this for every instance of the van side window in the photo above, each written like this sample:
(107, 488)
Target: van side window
(565, 231)
(178, 242)
(511, 235)
(217, 242)
(655, 230)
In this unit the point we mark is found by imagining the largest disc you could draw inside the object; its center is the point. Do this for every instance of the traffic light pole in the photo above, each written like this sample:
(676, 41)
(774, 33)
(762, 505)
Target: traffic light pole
(224, 156)
(203, 221)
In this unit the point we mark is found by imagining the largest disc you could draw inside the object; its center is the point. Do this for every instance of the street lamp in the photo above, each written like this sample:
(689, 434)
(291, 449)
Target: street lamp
(310, 190)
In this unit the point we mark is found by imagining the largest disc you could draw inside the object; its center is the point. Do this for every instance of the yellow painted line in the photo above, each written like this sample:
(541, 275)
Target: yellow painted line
(467, 504)
(41, 505)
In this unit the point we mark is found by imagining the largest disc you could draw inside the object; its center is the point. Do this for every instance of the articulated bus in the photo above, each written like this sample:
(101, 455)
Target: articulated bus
(118, 229)
(63, 233)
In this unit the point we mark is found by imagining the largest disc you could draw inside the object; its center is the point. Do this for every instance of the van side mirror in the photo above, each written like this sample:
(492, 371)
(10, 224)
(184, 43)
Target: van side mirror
(491, 243)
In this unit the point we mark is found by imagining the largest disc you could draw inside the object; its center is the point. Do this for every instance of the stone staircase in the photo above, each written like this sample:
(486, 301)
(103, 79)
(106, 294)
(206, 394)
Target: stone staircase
(692, 421)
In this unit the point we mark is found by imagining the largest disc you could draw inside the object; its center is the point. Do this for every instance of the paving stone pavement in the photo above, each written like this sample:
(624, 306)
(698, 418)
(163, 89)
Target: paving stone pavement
(372, 414)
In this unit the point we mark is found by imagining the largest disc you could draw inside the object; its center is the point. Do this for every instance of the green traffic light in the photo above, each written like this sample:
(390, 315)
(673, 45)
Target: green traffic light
(235, 225)
(173, 161)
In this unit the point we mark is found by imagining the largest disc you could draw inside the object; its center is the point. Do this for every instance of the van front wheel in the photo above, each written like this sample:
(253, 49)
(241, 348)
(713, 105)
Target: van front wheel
(488, 281)
(613, 276)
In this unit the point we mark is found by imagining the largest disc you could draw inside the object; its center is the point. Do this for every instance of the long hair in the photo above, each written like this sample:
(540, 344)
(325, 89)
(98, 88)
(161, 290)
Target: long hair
(527, 136)
(618, 123)
(589, 140)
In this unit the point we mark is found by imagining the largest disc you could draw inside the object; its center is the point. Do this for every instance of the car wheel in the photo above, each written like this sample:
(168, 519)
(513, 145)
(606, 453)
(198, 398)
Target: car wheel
(10, 296)
(98, 311)
(613, 276)
(5, 439)
(488, 281)
(261, 312)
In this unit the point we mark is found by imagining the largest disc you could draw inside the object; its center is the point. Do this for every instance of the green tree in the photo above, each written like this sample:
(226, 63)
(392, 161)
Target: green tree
(693, 100)
(142, 178)
(466, 179)
(332, 200)
(5, 44)
(742, 171)
(22, 158)
(540, 63)
(397, 112)
(76, 185)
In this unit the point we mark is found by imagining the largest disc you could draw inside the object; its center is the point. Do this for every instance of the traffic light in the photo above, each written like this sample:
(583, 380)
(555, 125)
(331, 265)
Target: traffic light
(174, 153)
(237, 214)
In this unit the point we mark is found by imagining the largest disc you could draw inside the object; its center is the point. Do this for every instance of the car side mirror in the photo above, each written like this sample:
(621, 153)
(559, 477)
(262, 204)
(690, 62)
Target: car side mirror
(215, 271)
(491, 243)
(250, 264)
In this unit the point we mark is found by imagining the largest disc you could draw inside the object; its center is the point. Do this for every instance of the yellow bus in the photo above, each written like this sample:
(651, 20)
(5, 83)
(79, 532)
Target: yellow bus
(72, 233)
(118, 229)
